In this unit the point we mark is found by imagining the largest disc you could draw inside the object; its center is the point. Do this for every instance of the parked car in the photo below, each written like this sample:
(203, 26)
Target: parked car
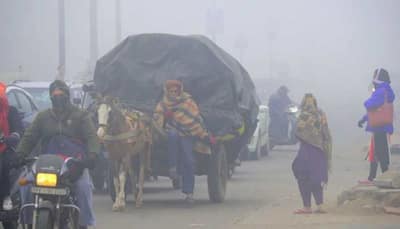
(40, 92)
(259, 143)
(23, 101)
(293, 113)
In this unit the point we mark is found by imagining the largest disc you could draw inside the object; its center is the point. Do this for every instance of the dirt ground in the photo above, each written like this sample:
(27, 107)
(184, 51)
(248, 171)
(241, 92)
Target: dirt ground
(348, 168)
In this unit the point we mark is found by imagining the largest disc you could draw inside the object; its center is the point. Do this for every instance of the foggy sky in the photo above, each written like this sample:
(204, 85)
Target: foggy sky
(326, 47)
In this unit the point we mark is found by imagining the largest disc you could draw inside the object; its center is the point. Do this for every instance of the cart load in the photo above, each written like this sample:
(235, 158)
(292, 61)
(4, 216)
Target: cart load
(135, 72)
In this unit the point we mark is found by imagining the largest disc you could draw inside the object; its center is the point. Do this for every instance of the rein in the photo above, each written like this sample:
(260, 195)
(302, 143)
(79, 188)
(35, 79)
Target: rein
(123, 136)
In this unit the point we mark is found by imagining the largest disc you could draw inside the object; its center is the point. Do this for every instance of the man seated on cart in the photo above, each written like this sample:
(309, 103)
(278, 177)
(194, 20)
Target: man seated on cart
(178, 114)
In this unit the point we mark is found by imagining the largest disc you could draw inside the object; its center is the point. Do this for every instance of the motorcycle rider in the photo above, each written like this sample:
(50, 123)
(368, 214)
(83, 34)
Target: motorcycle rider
(64, 129)
(279, 121)
(11, 128)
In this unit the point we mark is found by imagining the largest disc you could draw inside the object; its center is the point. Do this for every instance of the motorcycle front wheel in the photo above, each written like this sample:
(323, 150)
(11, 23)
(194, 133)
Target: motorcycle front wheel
(44, 219)
(10, 225)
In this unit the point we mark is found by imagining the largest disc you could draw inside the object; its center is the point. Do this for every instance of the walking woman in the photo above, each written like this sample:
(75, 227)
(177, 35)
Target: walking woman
(379, 120)
(313, 160)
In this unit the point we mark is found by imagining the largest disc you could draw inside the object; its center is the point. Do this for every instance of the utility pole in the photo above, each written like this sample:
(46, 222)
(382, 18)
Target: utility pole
(214, 21)
(118, 20)
(241, 44)
(61, 40)
(93, 35)
(271, 37)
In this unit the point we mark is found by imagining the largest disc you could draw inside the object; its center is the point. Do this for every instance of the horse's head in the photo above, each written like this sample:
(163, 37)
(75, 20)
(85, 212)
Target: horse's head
(105, 106)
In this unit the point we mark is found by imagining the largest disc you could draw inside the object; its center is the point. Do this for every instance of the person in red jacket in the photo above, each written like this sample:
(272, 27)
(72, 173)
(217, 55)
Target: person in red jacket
(11, 129)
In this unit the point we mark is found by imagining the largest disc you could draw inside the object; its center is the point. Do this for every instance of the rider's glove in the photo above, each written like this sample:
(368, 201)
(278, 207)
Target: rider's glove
(75, 169)
(361, 123)
(12, 140)
(212, 139)
(168, 114)
(17, 160)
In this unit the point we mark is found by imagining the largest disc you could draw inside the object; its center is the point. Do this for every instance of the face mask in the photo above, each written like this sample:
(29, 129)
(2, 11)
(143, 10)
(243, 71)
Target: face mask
(309, 107)
(59, 101)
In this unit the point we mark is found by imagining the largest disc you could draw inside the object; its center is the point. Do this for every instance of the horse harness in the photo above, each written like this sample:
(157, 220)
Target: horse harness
(133, 121)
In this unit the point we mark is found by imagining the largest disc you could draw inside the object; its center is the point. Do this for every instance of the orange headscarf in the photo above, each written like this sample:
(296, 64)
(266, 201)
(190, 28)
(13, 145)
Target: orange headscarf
(173, 83)
(4, 127)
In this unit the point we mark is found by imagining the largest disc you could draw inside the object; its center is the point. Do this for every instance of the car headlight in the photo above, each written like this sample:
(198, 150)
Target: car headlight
(46, 179)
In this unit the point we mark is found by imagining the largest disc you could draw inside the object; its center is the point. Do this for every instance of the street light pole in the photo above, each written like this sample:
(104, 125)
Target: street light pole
(271, 38)
(61, 40)
(93, 34)
(118, 20)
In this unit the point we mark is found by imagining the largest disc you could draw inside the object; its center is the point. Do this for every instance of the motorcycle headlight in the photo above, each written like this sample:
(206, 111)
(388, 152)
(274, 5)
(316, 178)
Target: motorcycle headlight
(293, 109)
(46, 179)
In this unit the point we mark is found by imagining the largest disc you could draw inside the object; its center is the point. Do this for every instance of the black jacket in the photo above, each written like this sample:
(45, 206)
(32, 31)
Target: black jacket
(15, 121)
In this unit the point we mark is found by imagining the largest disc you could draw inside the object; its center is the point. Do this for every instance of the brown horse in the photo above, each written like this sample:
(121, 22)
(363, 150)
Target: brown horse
(125, 135)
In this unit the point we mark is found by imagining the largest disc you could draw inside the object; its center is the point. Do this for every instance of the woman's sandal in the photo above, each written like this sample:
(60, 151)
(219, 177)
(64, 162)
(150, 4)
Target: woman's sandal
(302, 211)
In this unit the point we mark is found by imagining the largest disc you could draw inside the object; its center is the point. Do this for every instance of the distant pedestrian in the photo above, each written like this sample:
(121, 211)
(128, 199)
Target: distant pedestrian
(278, 105)
(313, 160)
(379, 120)
(11, 128)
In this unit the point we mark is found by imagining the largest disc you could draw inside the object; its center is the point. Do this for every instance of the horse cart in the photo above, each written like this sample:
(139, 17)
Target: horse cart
(135, 71)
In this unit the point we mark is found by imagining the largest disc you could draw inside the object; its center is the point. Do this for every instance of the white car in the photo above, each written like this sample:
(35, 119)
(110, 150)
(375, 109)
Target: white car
(39, 91)
(259, 144)
(23, 101)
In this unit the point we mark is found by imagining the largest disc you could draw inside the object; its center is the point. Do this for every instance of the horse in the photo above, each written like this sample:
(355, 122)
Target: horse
(125, 134)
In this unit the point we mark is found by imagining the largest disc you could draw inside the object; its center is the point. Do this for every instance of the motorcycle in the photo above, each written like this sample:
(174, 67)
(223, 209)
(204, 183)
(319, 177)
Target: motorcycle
(53, 200)
(291, 139)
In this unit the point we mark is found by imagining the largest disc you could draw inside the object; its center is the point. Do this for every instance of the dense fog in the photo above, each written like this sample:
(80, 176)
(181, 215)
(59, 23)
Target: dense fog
(329, 48)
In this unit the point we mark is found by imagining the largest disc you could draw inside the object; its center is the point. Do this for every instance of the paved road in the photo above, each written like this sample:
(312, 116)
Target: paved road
(262, 194)
(248, 191)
